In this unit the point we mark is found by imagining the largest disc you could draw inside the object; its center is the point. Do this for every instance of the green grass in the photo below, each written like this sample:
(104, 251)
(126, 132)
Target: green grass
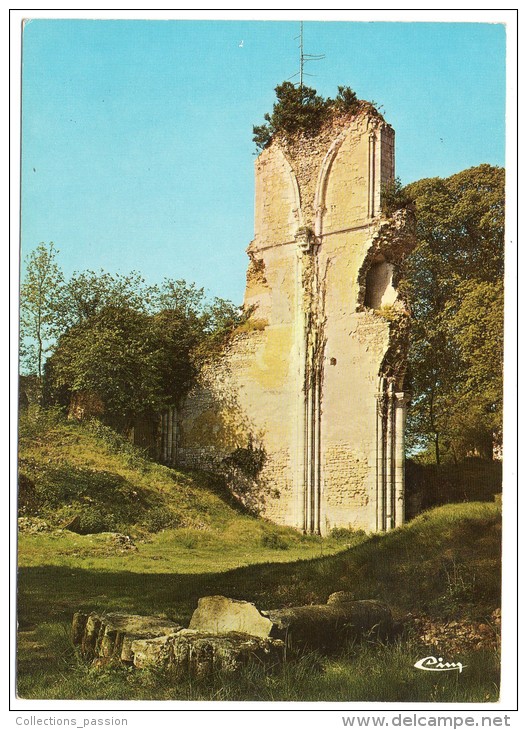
(444, 564)
(364, 673)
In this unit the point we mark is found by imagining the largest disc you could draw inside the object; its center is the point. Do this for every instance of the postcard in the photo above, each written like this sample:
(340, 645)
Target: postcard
(263, 442)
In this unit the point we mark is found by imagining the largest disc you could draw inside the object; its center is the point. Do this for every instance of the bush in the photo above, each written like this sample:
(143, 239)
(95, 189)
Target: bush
(346, 99)
(298, 109)
(249, 461)
(301, 109)
(274, 541)
(92, 520)
(346, 533)
(160, 518)
(35, 421)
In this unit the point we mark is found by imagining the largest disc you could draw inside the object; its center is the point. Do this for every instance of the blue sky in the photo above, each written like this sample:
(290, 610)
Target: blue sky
(137, 149)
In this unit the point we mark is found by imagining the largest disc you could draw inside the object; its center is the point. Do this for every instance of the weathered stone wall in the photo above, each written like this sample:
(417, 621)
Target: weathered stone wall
(315, 378)
(238, 401)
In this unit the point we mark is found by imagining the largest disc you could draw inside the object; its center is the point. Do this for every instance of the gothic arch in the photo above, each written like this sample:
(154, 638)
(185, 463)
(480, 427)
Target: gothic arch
(322, 181)
(297, 210)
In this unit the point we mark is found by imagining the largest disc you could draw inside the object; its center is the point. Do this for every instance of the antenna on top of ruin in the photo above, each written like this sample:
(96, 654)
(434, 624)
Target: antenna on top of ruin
(304, 58)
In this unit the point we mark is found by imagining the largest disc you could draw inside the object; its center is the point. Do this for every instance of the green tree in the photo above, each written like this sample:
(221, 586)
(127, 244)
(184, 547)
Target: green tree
(177, 295)
(476, 328)
(346, 99)
(454, 279)
(39, 299)
(135, 363)
(394, 197)
(210, 322)
(220, 319)
(112, 354)
(297, 109)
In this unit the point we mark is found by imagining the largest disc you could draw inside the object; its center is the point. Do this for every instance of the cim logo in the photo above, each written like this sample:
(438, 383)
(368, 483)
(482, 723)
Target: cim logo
(433, 664)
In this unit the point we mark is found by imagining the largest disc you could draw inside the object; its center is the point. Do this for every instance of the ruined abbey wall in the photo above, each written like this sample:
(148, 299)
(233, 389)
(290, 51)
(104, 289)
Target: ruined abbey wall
(313, 382)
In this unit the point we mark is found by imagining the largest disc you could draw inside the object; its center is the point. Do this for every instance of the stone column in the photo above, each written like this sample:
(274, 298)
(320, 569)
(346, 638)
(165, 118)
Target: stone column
(316, 452)
(308, 406)
(401, 401)
(309, 446)
(159, 438)
(372, 169)
(380, 485)
(164, 449)
(389, 468)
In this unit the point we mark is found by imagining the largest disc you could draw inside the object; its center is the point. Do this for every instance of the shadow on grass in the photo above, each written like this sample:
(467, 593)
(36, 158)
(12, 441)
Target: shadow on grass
(50, 593)
(421, 579)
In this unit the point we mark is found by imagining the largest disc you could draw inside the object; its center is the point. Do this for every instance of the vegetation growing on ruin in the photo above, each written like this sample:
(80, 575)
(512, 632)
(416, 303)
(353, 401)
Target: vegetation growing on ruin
(300, 109)
(253, 324)
(394, 196)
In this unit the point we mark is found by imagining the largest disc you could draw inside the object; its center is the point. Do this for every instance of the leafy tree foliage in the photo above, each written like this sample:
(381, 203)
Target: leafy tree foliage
(111, 354)
(454, 279)
(346, 100)
(136, 348)
(210, 322)
(136, 363)
(394, 197)
(87, 293)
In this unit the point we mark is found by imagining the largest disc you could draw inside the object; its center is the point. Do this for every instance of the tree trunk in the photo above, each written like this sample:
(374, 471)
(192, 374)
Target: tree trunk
(436, 442)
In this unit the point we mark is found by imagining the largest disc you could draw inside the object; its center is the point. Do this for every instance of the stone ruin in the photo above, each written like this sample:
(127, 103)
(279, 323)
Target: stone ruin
(225, 634)
(304, 412)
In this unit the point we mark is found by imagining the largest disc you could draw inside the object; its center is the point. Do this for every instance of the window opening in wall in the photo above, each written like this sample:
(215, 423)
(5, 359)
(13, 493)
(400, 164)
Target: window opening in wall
(379, 289)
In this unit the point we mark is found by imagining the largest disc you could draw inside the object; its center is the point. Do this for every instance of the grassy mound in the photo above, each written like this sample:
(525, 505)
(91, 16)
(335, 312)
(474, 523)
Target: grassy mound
(80, 484)
(87, 471)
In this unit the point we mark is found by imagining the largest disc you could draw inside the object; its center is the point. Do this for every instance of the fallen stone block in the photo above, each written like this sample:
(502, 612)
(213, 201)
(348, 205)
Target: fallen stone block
(152, 652)
(326, 627)
(196, 654)
(323, 627)
(110, 636)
